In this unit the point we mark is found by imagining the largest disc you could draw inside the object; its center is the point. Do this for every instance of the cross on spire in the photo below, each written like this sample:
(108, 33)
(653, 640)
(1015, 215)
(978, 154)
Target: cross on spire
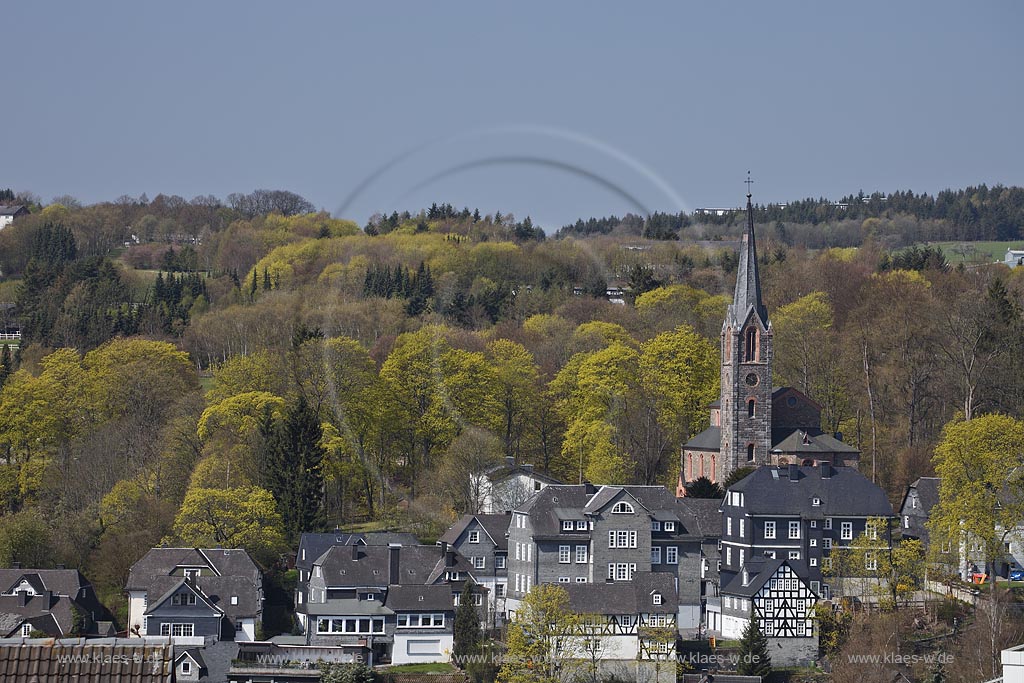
(749, 182)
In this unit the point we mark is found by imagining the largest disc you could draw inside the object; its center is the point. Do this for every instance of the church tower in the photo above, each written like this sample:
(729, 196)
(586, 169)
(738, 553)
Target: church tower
(746, 400)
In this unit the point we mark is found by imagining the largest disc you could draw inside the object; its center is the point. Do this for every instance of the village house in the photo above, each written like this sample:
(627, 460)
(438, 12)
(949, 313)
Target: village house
(50, 602)
(483, 540)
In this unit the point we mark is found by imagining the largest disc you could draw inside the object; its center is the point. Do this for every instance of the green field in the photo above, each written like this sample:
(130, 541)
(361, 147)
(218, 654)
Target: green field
(976, 252)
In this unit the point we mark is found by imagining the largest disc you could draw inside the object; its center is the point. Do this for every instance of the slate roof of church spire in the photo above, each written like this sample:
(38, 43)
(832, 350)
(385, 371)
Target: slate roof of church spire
(748, 282)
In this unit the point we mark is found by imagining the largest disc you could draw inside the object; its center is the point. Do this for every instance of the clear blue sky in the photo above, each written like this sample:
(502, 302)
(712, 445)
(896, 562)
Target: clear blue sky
(555, 109)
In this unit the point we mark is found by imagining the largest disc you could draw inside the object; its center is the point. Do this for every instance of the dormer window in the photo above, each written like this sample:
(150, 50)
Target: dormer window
(581, 525)
(657, 598)
(815, 501)
(567, 525)
(746, 577)
(655, 525)
(623, 508)
(670, 526)
(474, 536)
(26, 630)
(234, 599)
(193, 573)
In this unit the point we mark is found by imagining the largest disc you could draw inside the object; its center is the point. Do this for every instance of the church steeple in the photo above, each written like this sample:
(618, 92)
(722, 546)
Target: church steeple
(748, 281)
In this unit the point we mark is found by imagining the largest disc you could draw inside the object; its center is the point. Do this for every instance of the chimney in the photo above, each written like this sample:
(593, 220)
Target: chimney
(794, 472)
(60, 566)
(528, 468)
(449, 559)
(22, 598)
(355, 551)
(510, 461)
(393, 555)
(826, 470)
(444, 547)
(47, 599)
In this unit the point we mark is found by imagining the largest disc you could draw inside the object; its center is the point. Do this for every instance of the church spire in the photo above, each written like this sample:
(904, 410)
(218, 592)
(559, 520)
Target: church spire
(748, 282)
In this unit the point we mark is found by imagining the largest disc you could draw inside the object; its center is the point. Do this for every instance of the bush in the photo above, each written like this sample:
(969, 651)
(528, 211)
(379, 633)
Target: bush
(345, 673)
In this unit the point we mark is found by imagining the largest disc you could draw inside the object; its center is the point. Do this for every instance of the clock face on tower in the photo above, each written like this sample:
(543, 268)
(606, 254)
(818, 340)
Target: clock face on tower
(751, 380)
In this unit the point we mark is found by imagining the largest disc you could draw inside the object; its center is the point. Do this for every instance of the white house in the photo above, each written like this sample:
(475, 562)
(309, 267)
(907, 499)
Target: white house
(505, 487)
(1014, 257)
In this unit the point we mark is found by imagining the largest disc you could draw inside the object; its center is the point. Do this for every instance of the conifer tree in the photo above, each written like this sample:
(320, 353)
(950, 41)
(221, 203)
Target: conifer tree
(467, 626)
(754, 657)
(294, 468)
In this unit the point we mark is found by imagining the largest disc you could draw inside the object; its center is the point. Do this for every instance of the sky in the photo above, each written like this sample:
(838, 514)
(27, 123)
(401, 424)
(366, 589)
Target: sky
(557, 110)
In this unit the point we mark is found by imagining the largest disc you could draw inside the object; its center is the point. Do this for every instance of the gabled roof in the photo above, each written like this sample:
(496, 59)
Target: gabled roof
(58, 581)
(190, 587)
(12, 209)
(845, 492)
(809, 441)
(708, 515)
(390, 538)
(316, 545)
(760, 570)
(435, 598)
(927, 492)
(193, 653)
(510, 468)
(417, 564)
(495, 525)
(227, 572)
(554, 504)
(56, 611)
(9, 623)
(625, 597)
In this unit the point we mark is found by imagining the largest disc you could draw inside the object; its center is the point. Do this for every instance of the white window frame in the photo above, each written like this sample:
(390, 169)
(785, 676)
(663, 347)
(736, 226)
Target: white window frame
(474, 536)
(793, 555)
(567, 525)
(669, 526)
(564, 554)
(769, 529)
(671, 554)
(655, 525)
(794, 529)
(581, 579)
(623, 508)
(655, 554)
(828, 522)
(499, 561)
(479, 562)
(581, 554)
(871, 561)
(846, 531)
(581, 525)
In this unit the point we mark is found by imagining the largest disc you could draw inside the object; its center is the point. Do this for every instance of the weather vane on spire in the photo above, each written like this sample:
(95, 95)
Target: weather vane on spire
(749, 182)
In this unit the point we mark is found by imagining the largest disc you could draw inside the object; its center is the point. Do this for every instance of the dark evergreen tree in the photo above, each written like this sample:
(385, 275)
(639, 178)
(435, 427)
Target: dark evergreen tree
(467, 635)
(754, 659)
(703, 487)
(294, 470)
(6, 364)
(253, 286)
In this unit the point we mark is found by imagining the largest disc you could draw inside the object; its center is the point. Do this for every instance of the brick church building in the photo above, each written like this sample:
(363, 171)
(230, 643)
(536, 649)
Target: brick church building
(755, 423)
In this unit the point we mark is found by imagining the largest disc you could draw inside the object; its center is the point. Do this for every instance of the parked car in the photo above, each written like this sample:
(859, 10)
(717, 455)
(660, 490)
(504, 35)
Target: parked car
(1017, 575)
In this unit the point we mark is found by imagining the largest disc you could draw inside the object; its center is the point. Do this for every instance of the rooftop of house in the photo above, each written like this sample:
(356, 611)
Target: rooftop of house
(793, 490)
(759, 570)
(58, 581)
(433, 598)
(12, 209)
(628, 597)
(927, 489)
(120, 661)
(551, 506)
(346, 566)
(495, 525)
(225, 573)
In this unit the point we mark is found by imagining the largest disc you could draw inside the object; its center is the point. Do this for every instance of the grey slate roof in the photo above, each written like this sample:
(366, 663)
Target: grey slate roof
(627, 597)
(708, 515)
(494, 525)
(346, 607)
(9, 621)
(435, 598)
(123, 661)
(927, 492)
(708, 440)
(53, 616)
(390, 538)
(417, 564)
(58, 581)
(769, 491)
(508, 469)
(316, 545)
(11, 209)
(808, 441)
(231, 573)
(748, 283)
(760, 571)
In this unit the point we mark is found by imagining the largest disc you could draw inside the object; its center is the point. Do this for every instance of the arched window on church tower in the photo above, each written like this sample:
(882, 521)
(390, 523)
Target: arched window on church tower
(750, 352)
(728, 343)
(750, 407)
(750, 452)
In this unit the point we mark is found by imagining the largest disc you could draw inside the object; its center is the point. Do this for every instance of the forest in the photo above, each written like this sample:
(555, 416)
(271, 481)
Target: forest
(293, 371)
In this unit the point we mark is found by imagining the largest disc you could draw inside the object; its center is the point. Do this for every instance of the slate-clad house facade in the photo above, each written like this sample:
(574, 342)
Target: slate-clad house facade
(483, 540)
(350, 602)
(190, 593)
(585, 534)
(797, 514)
(57, 602)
